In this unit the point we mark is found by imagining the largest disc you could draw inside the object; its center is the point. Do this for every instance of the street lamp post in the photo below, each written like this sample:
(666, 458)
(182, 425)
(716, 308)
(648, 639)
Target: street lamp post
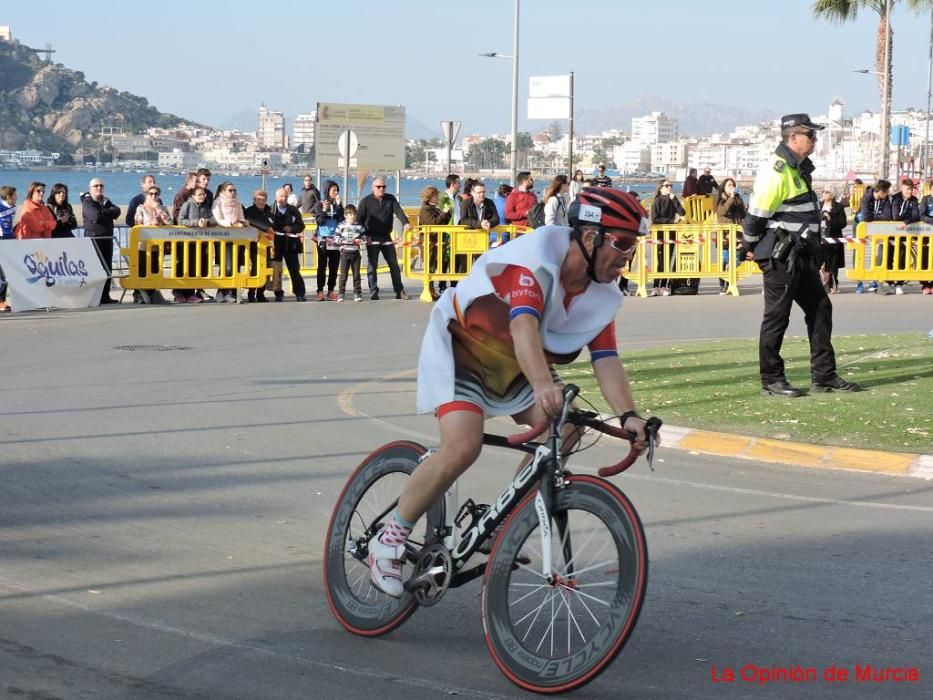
(514, 59)
(926, 135)
(885, 118)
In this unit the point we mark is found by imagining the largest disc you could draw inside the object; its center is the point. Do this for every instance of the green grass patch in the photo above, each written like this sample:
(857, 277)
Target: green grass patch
(715, 385)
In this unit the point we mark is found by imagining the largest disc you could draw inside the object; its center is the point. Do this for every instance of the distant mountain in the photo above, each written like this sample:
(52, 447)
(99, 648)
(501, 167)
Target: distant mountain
(415, 129)
(244, 121)
(696, 118)
(52, 108)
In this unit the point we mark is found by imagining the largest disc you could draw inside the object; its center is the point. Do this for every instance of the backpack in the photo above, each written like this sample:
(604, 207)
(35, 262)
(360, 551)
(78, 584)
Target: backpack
(536, 215)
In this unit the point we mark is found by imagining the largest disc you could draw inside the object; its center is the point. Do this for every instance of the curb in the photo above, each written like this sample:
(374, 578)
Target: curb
(798, 453)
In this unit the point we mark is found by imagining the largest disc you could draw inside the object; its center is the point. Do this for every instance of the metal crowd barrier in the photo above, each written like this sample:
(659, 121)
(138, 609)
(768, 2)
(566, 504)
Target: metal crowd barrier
(120, 240)
(447, 253)
(699, 208)
(886, 252)
(855, 197)
(689, 251)
(178, 257)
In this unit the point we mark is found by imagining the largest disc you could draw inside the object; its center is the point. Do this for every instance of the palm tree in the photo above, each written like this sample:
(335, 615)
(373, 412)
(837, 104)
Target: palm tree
(842, 11)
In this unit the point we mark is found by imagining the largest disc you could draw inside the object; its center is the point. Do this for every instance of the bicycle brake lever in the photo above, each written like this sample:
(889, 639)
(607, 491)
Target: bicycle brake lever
(652, 425)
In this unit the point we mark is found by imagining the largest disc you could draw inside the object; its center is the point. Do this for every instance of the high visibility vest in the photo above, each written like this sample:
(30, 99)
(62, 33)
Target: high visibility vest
(783, 196)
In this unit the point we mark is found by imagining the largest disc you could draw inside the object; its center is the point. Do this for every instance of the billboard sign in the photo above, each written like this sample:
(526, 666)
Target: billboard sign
(379, 133)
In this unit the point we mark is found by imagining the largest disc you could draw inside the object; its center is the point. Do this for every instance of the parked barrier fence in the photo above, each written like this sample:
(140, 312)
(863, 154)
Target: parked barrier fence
(689, 251)
(446, 253)
(883, 251)
(855, 197)
(177, 257)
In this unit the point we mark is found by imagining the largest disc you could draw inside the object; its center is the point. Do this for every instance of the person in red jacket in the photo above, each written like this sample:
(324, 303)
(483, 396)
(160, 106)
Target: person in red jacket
(37, 220)
(520, 200)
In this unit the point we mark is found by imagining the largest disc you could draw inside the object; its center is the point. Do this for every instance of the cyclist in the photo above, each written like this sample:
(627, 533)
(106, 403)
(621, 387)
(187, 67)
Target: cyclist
(491, 343)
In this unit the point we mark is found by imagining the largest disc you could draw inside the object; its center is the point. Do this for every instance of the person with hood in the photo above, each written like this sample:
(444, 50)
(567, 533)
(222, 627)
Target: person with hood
(65, 220)
(875, 206)
(905, 209)
(328, 213)
(194, 213)
(37, 221)
(99, 213)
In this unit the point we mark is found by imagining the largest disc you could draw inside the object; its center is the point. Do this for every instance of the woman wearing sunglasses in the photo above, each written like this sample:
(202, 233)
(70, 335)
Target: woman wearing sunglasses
(37, 221)
(666, 209)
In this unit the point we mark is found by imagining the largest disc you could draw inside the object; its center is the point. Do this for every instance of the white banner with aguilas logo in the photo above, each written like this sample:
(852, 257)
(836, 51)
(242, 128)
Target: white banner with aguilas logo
(45, 273)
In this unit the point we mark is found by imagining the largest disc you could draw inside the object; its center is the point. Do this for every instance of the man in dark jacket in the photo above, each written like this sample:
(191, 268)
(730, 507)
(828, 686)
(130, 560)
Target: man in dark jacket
(479, 212)
(375, 214)
(288, 225)
(706, 183)
(99, 214)
(904, 208)
(147, 183)
(309, 195)
(875, 206)
(259, 216)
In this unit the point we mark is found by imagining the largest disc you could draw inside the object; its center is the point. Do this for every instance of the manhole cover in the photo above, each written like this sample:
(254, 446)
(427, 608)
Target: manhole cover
(152, 348)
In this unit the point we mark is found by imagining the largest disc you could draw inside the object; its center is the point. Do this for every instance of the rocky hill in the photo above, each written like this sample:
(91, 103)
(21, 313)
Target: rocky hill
(51, 108)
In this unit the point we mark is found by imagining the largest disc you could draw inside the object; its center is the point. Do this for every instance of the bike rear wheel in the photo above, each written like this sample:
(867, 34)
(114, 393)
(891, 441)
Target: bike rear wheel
(557, 636)
(358, 605)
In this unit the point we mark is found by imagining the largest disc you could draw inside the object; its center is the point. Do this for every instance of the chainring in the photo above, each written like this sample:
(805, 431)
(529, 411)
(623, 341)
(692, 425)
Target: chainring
(432, 575)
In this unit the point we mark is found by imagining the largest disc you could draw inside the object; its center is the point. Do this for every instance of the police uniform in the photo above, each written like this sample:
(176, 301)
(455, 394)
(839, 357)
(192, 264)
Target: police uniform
(782, 229)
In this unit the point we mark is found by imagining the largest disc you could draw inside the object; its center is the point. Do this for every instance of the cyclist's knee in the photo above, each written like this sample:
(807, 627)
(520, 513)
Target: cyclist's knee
(461, 454)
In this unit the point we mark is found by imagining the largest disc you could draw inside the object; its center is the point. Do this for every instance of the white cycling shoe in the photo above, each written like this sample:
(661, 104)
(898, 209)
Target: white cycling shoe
(385, 567)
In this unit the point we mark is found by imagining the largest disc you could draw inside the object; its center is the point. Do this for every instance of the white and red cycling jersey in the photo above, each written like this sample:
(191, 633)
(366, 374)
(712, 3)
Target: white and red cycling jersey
(467, 358)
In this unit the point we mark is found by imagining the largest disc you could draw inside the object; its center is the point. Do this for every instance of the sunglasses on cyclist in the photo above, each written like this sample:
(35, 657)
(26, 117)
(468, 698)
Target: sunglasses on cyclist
(624, 244)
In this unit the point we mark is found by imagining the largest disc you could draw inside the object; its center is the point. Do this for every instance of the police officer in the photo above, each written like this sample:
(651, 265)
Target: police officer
(781, 232)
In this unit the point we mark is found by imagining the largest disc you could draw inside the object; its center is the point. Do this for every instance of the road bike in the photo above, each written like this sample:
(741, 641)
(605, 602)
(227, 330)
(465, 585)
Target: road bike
(565, 576)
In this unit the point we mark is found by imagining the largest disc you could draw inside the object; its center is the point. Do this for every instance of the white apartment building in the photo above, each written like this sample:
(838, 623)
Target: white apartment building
(180, 160)
(270, 128)
(668, 157)
(303, 130)
(632, 157)
(653, 128)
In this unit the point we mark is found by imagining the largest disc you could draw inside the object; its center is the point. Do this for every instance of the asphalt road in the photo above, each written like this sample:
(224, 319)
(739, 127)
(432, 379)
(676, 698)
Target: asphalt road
(162, 516)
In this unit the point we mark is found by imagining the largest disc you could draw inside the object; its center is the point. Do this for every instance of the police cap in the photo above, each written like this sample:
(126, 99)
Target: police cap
(801, 122)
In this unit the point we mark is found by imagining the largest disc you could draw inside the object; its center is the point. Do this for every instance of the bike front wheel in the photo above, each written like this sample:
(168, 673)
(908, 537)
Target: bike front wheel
(554, 636)
(358, 605)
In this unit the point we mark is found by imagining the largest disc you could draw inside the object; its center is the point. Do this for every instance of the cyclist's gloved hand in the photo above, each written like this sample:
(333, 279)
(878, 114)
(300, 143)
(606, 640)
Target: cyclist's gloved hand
(550, 397)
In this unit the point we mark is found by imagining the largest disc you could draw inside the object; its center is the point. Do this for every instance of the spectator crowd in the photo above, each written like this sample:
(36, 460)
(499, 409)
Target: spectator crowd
(346, 236)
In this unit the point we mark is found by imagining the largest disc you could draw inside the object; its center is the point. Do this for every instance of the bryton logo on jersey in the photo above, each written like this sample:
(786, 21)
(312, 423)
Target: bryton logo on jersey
(58, 271)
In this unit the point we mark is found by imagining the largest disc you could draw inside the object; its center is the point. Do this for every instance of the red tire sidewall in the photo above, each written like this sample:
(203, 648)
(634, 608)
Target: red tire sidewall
(406, 611)
(633, 618)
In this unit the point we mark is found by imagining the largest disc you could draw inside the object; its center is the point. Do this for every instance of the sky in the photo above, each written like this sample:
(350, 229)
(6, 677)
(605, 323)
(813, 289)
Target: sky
(211, 61)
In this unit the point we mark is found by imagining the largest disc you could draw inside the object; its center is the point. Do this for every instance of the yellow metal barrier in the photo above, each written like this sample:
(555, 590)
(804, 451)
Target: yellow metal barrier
(884, 252)
(855, 198)
(447, 253)
(700, 208)
(177, 257)
(689, 251)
